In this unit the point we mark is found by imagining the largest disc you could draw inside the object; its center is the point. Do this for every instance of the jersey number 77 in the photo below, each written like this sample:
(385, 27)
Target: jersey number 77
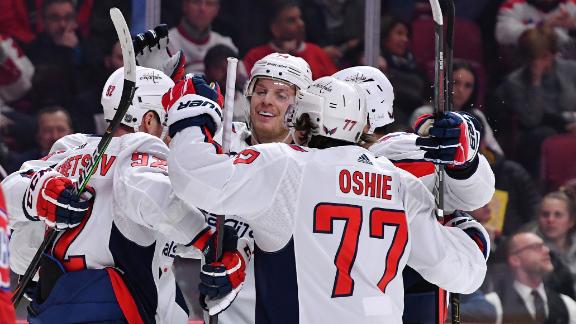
(325, 214)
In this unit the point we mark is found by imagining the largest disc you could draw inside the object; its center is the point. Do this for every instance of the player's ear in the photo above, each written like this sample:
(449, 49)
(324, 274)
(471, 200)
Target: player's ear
(148, 120)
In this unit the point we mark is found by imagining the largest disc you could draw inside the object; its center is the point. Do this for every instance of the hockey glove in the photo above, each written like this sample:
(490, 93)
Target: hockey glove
(452, 139)
(152, 51)
(221, 280)
(470, 226)
(193, 102)
(51, 197)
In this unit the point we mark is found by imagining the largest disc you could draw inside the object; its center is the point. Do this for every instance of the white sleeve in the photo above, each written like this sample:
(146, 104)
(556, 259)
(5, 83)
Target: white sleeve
(25, 240)
(143, 193)
(462, 191)
(571, 306)
(510, 24)
(470, 192)
(221, 184)
(444, 256)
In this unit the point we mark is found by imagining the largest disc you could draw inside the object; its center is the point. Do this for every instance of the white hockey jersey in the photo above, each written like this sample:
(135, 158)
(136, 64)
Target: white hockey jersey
(466, 192)
(135, 225)
(332, 227)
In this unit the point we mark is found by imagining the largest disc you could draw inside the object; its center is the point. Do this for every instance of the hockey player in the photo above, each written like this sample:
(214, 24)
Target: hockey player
(6, 310)
(324, 218)
(469, 182)
(274, 83)
(131, 227)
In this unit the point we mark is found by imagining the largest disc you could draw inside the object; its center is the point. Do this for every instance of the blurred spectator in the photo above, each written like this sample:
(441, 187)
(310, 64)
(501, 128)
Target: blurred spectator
(408, 9)
(401, 69)
(538, 98)
(53, 123)
(21, 20)
(58, 55)
(87, 114)
(288, 33)
(216, 66)
(524, 297)
(194, 35)
(336, 25)
(517, 16)
(555, 224)
(465, 93)
(16, 71)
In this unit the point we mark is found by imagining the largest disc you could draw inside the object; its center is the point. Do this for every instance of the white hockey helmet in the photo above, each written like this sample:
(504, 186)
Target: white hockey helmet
(283, 67)
(151, 84)
(379, 93)
(336, 108)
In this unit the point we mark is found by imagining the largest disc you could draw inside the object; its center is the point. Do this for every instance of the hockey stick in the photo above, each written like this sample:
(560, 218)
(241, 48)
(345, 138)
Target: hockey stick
(449, 10)
(226, 140)
(125, 101)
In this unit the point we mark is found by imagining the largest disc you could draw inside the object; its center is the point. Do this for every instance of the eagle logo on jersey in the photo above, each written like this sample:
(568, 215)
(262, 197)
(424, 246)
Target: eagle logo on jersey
(329, 131)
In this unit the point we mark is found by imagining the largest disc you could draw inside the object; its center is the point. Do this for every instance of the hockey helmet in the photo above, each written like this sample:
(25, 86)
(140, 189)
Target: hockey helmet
(282, 67)
(151, 84)
(379, 93)
(337, 109)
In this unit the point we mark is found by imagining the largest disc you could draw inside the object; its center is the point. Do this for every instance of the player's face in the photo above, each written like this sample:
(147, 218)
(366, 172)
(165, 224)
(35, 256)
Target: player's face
(58, 18)
(463, 87)
(554, 219)
(52, 127)
(200, 13)
(268, 104)
(533, 254)
(397, 41)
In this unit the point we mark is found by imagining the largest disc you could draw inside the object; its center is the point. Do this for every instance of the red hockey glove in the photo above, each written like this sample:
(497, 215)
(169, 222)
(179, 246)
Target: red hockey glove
(193, 102)
(51, 198)
(452, 139)
(220, 281)
(470, 226)
(152, 51)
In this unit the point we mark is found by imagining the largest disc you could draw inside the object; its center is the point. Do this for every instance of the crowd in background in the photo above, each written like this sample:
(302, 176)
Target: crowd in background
(515, 69)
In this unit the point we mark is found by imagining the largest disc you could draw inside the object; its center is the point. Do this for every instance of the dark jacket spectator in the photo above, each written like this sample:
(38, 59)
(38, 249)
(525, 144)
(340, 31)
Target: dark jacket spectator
(538, 98)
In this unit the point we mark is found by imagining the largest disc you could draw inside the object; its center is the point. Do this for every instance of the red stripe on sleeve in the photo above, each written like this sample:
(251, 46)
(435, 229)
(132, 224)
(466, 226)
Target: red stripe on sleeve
(418, 169)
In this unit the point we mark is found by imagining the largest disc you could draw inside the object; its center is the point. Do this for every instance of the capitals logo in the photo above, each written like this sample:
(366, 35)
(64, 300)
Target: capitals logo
(329, 131)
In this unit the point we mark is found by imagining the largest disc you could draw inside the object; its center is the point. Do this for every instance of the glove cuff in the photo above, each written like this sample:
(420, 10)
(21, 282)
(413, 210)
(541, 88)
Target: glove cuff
(464, 171)
(202, 120)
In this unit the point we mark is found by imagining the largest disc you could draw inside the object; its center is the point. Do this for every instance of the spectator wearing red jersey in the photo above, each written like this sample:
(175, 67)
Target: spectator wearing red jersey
(288, 32)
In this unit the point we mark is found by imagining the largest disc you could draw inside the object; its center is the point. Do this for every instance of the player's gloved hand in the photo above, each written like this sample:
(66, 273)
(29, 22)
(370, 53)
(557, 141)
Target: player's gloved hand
(193, 102)
(152, 51)
(51, 198)
(475, 230)
(221, 280)
(452, 139)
